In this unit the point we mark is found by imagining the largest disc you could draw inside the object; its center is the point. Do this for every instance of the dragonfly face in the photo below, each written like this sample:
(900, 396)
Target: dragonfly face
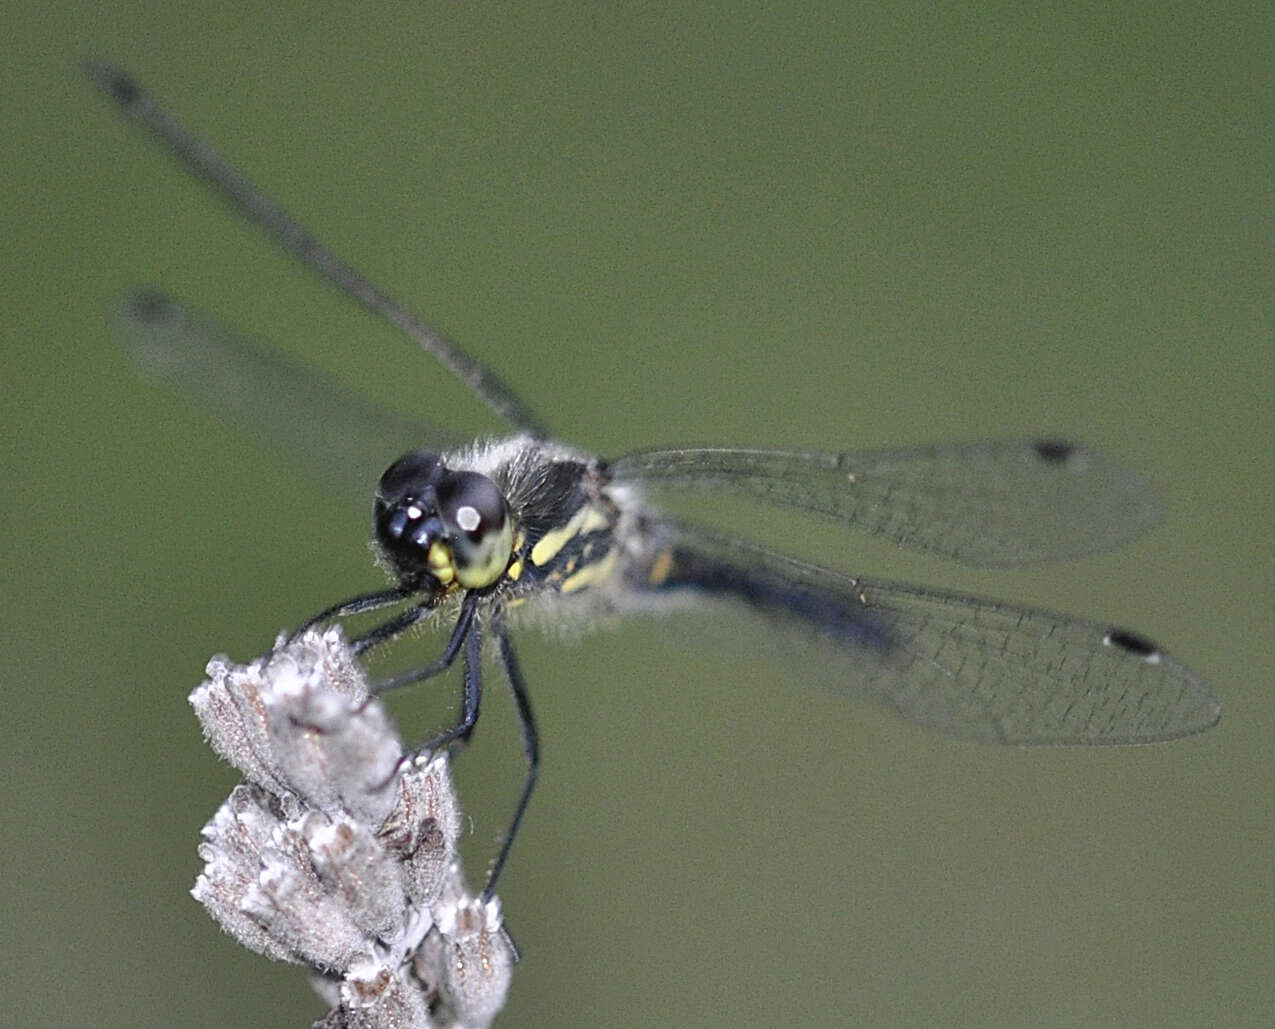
(524, 522)
(453, 527)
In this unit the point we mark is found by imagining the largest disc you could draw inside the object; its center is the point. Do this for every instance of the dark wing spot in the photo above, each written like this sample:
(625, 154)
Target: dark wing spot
(1053, 451)
(115, 83)
(151, 307)
(1131, 642)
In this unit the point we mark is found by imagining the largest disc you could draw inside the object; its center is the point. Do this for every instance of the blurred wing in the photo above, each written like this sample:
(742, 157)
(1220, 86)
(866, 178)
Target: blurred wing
(330, 433)
(988, 504)
(973, 669)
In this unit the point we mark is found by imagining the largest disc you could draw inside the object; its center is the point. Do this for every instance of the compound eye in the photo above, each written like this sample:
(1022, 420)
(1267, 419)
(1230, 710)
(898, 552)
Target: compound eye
(477, 517)
(408, 476)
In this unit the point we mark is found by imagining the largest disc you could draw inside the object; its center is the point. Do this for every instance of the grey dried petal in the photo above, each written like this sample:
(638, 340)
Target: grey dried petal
(261, 884)
(375, 997)
(477, 960)
(351, 863)
(235, 837)
(331, 745)
(229, 708)
(291, 902)
(423, 827)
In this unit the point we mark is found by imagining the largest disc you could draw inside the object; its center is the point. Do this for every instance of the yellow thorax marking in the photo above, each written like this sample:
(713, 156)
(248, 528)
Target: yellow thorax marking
(591, 574)
(587, 519)
(661, 567)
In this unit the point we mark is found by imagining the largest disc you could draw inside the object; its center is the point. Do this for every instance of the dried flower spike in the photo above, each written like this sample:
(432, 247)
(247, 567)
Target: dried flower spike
(338, 853)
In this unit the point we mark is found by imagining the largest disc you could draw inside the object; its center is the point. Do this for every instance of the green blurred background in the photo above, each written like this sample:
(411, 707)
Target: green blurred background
(818, 224)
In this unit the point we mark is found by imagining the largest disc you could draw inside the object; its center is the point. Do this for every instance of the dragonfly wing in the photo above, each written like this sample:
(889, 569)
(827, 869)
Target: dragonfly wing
(971, 668)
(987, 504)
(332, 434)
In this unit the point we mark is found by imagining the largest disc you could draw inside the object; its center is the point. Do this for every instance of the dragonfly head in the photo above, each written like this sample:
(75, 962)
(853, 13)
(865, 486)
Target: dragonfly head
(436, 525)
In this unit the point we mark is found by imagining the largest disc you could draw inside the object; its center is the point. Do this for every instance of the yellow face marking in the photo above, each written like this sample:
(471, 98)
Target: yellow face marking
(485, 565)
(440, 563)
(514, 570)
(590, 575)
(587, 519)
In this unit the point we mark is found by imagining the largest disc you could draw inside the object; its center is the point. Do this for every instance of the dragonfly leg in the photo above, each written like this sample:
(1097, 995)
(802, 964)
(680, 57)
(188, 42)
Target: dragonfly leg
(530, 746)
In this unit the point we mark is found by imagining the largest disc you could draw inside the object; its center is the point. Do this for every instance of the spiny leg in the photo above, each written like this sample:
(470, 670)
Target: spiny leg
(361, 604)
(473, 692)
(391, 629)
(465, 633)
(530, 746)
(397, 625)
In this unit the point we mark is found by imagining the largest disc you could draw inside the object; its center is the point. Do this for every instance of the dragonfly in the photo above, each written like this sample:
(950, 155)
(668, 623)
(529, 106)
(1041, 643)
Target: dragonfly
(523, 527)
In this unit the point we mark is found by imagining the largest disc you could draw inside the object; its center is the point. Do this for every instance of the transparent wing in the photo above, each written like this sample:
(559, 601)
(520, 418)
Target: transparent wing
(330, 433)
(201, 160)
(989, 504)
(971, 668)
